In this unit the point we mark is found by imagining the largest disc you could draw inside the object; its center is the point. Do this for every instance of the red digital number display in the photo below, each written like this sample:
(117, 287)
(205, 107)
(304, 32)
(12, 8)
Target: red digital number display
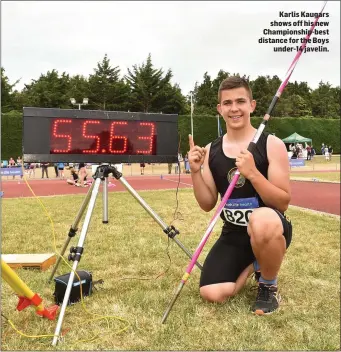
(91, 136)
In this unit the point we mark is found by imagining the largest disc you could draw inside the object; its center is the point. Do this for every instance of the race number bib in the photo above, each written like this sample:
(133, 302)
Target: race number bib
(238, 211)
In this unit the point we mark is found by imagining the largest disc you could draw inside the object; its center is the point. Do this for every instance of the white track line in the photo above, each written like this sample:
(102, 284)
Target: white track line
(295, 207)
(183, 183)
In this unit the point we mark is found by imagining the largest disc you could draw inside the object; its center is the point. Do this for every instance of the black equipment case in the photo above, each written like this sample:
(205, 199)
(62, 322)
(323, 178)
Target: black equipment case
(75, 294)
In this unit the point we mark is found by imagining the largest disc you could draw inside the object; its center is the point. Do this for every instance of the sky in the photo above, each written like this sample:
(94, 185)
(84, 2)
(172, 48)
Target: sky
(188, 37)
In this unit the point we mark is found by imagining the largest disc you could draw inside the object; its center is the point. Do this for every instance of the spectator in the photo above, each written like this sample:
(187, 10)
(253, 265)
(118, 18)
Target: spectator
(178, 165)
(170, 168)
(330, 151)
(177, 168)
(55, 165)
(322, 149)
(61, 167)
(44, 169)
(19, 162)
(300, 151)
(313, 152)
(11, 162)
(187, 168)
(74, 177)
(294, 154)
(82, 175)
(308, 152)
(326, 153)
(32, 170)
(184, 161)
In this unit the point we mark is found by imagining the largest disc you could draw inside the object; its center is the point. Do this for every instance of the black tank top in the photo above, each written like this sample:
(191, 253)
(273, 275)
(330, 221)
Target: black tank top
(244, 198)
(74, 175)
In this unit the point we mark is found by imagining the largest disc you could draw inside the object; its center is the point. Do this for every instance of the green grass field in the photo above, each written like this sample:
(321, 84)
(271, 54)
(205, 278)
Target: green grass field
(130, 253)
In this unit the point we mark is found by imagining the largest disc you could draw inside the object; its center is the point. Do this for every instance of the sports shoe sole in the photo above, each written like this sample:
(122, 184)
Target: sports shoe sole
(260, 312)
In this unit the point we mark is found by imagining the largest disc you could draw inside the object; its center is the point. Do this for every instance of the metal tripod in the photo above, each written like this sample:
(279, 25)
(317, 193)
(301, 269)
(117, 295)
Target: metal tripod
(101, 174)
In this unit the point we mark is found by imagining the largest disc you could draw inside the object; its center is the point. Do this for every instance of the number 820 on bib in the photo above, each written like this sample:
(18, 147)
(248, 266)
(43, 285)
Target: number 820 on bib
(238, 211)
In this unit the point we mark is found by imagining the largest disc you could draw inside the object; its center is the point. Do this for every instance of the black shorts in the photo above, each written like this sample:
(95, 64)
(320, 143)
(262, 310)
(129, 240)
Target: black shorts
(232, 254)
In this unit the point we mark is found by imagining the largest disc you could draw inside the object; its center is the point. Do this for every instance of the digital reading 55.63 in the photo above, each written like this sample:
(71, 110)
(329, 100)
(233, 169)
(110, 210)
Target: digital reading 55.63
(84, 136)
(51, 135)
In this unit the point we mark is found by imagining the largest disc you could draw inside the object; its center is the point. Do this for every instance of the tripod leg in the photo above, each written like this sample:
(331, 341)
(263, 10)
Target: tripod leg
(105, 200)
(150, 211)
(73, 229)
(77, 258)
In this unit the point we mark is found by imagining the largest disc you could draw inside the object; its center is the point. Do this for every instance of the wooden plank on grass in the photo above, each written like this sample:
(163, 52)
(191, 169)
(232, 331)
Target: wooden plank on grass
(37, 261)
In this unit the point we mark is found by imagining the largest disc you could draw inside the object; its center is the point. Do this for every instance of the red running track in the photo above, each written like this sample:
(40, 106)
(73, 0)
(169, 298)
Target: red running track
(320, 196)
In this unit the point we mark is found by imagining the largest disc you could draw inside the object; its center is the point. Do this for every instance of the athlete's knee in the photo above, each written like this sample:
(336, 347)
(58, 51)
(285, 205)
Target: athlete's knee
(264, 225)
(215, 294)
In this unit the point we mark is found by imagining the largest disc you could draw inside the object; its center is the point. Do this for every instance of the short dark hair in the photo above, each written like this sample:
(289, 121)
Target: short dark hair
(232, 83)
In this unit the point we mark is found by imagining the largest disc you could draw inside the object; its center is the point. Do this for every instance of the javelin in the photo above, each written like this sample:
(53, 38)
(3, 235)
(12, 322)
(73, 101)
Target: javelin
(234, 180)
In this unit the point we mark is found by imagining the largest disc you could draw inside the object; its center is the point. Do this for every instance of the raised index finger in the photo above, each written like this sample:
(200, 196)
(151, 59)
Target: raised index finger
(191, 142)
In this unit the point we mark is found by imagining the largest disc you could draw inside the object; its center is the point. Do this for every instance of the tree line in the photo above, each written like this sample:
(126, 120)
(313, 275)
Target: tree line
(148, 89)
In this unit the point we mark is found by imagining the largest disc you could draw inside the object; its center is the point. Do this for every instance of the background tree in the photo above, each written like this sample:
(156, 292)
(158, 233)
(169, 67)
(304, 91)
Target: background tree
(148, 89)
(78, 89)
(171, 100)
(49, 91)
(326, 101)
(217, 81)
(298, 106)
(152, 91)
(206, 93)
(106, 90)
(8, 97)
(335, 97)
(262, 94)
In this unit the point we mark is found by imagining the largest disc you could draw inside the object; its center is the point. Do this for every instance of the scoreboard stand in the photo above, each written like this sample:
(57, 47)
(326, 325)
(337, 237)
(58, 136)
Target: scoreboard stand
(75, 255)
